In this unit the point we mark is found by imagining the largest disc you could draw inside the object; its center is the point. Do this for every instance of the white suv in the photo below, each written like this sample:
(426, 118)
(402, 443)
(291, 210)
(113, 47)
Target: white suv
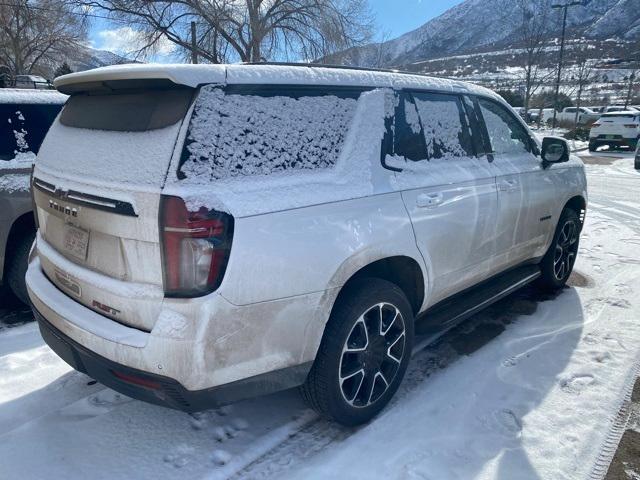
(209, 233)
(619, 129)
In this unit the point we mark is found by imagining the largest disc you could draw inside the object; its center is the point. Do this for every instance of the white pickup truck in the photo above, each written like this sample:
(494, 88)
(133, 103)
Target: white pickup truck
(585, 115)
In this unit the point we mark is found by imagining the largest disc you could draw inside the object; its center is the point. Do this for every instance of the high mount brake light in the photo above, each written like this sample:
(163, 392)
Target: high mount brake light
(195, 248)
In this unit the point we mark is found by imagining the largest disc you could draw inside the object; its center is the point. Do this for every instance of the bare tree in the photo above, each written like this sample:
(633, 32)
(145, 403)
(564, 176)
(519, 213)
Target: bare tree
(582, 75)
(634, 62)
(37, 35)
(534, 27)
(249, 30)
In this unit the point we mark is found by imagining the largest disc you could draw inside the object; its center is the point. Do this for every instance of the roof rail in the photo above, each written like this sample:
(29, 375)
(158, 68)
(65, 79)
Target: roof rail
(339, 67)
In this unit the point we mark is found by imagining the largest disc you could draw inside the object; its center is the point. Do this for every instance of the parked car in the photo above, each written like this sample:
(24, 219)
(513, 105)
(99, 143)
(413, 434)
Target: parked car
(618, 129)
(24, 120)
(32, 81)
(546, 116)
(585, 115)
(615, 108)
(224, 231)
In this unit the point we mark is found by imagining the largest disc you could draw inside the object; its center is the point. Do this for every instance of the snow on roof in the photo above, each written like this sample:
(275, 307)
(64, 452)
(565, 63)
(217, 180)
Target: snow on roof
(189, 75)
(195, 75)
(30, 96)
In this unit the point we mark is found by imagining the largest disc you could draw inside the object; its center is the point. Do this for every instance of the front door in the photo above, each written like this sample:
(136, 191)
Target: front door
(526, 191)
(449, 191)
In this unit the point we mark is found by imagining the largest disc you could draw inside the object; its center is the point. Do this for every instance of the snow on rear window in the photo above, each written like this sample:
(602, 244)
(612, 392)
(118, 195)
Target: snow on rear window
(233, 135)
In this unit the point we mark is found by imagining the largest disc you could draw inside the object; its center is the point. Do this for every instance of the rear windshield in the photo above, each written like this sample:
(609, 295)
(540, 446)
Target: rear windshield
(614, 116)
(23, 127)
(126, 111)
(258, 130)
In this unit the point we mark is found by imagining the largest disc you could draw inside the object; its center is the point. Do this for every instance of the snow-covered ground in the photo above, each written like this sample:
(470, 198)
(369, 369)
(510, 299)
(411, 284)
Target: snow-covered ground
(529, 389)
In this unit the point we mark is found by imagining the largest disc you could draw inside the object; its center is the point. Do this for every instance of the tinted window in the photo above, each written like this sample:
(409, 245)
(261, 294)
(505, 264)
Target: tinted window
(126, 111)
(23, 127)
(249, 130)
(409, 139)
(506, 133)
(444, 125)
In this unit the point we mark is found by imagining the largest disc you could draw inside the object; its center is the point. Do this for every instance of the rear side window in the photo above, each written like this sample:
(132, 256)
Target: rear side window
(506, 133)
(409, 138)
(23, 127)
(444, 125)
(252, 130)
(127, 111)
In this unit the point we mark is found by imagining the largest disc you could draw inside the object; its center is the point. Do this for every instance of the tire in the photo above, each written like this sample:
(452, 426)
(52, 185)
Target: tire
(356, 373)
(557, 264)
(593, 146)
(17, 267)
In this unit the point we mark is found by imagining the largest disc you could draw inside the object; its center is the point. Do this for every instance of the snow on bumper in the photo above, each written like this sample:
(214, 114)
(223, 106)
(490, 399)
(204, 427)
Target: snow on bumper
(200, 343)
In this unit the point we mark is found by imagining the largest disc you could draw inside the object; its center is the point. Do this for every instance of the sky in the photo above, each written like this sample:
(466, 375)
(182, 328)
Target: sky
(394, 17)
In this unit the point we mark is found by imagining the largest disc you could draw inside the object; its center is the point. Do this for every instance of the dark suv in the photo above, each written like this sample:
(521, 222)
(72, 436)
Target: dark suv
(25, 117)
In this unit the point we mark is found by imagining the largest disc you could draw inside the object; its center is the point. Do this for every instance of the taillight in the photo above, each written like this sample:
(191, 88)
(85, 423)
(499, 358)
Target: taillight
(195, 248)
(595, 125)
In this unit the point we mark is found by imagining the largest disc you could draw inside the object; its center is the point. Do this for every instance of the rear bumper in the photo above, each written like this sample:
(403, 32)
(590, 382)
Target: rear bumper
(162, 390)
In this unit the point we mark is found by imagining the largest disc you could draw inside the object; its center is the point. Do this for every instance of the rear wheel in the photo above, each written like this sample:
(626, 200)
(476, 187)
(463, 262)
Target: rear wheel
(557, 264)
(364, 353)
(593, 146)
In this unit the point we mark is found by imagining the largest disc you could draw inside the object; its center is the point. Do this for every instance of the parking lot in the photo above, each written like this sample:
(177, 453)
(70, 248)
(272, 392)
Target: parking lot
(522, 376)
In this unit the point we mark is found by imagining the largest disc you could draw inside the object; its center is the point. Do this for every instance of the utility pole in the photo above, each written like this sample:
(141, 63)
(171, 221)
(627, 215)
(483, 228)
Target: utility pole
(630, 91)
(565, 7)
(194, 44)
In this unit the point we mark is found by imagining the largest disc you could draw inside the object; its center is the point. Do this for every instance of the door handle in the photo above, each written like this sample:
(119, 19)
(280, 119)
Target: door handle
(508, 185)
(426, 200)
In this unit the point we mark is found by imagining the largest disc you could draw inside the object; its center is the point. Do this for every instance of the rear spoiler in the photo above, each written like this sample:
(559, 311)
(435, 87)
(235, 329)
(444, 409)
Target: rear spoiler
(140, 76)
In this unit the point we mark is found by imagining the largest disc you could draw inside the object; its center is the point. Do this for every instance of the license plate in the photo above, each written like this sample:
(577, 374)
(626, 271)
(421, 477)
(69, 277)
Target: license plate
(76, 242)
(610, 137)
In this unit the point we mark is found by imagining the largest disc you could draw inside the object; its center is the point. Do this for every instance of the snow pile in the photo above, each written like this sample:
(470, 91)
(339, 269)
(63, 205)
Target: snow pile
(239, 135)
(349, 177)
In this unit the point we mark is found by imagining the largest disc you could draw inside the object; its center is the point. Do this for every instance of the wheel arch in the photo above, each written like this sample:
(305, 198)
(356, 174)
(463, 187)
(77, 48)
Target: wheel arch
(579, 205)
(401, 270)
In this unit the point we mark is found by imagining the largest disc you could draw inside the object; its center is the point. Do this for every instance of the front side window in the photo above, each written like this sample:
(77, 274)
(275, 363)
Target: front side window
(251, 130)
(506, 133)
(445, 128)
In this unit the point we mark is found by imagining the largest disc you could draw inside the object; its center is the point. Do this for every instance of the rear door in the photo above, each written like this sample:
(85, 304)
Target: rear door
(526, 191)
(97, 188)
(448, 190)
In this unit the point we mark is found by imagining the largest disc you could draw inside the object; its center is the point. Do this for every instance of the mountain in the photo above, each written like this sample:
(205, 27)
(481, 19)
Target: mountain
(483, 25)
(86, 58)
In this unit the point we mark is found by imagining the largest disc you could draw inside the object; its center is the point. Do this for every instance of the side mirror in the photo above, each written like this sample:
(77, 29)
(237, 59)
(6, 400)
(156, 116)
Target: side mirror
(554, 150)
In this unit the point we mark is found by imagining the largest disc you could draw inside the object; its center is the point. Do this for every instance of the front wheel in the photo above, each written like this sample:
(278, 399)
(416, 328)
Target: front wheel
(364, 353)
(557, 264)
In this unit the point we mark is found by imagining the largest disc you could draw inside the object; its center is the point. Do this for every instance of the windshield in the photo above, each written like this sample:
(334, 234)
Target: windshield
(126, 111)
